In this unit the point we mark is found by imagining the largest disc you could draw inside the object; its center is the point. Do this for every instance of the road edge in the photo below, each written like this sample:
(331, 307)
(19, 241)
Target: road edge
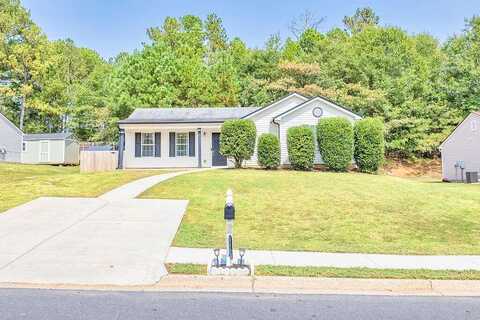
(283, 285)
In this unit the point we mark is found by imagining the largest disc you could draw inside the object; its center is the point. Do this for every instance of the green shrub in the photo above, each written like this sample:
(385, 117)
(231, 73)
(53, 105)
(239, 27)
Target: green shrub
(335, 142)
(369, 144)
(237, 140)
(268, 150)
(301, 147)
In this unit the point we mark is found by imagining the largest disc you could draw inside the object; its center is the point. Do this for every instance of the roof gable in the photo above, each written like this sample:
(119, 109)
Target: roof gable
(475, 114)
(10, 124)
(277, 103)
(323, 100)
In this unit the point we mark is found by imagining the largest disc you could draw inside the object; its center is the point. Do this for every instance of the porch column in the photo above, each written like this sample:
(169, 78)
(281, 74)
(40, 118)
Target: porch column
(121, 144)
(199, 134)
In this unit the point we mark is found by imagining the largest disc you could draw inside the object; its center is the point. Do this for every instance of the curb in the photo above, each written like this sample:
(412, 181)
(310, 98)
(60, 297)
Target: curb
(284, 285)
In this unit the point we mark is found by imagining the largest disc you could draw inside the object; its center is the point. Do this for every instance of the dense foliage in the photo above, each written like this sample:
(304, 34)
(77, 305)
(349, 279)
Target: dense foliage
(268, 151)
(418, 86)
(335, 142)
(237, 140)
(369, 144)
(301, 147)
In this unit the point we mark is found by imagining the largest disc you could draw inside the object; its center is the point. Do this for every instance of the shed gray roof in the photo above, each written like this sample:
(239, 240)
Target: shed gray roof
(187, 115)
(46, 136)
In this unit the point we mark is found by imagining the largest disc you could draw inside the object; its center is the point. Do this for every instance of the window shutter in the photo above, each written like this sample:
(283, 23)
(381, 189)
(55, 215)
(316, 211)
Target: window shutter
(158, 144)
(172, 144)
(191, 144)
(138, 144)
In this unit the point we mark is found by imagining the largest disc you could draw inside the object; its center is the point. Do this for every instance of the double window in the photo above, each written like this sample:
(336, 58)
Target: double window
(181, 144)
(148, 144)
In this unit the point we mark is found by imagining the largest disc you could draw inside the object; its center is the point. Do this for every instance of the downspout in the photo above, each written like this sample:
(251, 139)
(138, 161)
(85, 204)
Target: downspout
(199, 134)
(278, 135)
(121, 144)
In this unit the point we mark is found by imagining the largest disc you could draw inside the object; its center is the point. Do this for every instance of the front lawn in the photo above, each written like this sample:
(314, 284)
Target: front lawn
(332, 212)
(21, 183)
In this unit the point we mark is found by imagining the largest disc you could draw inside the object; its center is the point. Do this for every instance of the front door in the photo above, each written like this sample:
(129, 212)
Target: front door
(217, 158)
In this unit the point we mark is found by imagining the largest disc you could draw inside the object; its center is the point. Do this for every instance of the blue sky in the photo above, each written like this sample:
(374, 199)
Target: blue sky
(113, 26)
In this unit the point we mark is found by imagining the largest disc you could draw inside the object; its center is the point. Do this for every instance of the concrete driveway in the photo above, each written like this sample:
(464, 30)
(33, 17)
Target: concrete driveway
(114, 239)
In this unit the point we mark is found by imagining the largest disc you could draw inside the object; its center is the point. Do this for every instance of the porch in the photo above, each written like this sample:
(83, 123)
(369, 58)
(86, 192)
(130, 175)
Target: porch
(170, 146)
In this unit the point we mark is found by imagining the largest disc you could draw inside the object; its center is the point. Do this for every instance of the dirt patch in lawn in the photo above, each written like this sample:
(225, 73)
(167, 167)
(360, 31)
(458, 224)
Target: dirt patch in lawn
(431, 168)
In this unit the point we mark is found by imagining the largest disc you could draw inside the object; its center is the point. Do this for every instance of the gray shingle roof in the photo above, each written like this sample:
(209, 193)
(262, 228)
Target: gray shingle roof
(187, 115)
(46, 136)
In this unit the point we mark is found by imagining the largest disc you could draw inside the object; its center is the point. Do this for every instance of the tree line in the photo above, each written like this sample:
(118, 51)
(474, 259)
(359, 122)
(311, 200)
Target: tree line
(419, 86)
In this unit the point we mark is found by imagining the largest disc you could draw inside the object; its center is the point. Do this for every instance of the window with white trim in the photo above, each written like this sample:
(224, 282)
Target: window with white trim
(181, 144)
(148, 144)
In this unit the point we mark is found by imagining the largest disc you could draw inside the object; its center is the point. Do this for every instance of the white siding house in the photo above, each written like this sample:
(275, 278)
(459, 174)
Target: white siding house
(189, 137)
(461, 150)
(10, 141)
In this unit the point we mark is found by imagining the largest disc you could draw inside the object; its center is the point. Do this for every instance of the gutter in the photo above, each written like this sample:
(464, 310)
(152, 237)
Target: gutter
(278, 128)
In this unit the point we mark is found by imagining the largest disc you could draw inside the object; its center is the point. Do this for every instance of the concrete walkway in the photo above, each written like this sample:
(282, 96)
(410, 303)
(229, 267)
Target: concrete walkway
(340, 260)
(114, 239)
(135, 188)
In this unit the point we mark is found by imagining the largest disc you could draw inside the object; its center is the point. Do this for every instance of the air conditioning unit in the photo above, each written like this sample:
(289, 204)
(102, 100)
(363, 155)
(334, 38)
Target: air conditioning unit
(472, 176)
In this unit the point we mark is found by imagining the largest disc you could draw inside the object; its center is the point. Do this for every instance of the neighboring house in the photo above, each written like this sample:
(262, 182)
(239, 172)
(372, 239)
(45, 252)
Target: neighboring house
(190, 137)
(10, 141)
(42, 148)
(461, 150)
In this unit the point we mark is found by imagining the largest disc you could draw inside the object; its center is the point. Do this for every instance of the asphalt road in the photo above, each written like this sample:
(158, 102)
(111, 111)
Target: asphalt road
(61, 304)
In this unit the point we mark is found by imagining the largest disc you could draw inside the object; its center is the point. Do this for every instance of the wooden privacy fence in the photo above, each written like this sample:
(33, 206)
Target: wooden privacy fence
(92, 161)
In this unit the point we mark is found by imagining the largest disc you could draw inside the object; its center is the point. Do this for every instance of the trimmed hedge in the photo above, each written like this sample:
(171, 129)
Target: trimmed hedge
(335, 142)
(268, 150)
(237, 140)
(369, 144)
(301, 147)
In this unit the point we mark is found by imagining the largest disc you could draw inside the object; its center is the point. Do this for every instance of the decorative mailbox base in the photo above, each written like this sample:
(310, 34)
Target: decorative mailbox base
(225, 264)
(235, 270)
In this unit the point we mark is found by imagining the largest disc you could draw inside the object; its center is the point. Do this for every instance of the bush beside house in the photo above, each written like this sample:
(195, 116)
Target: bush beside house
(301, 147)
(268, 151)
(237, 140)
(335, 142)
(369, 144)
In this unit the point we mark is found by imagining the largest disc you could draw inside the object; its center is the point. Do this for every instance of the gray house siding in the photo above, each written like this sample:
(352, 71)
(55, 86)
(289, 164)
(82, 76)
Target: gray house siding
(10, 141)
(463, 145)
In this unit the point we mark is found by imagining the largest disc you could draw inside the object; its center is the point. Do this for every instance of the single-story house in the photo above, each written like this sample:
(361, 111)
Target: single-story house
(40, 148)
(190, 137)
(461, 149)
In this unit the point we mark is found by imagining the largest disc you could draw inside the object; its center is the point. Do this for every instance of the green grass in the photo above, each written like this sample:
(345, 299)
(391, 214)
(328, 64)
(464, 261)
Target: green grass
(185, 268)
(325, 272)
(22, 183)
(332, 212)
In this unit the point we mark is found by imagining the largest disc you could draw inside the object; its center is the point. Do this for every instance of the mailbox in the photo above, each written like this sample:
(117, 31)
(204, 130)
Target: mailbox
(229, 212)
